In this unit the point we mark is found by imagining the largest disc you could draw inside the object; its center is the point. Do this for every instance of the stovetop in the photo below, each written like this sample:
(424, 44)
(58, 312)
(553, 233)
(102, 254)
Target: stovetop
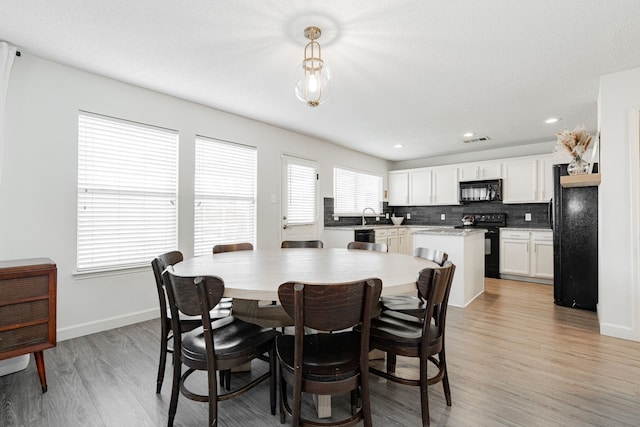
(486, 220)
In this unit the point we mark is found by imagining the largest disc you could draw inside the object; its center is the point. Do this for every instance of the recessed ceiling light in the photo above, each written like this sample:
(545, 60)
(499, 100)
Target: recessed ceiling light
(552, 120)
(468, 134)
(397, 146)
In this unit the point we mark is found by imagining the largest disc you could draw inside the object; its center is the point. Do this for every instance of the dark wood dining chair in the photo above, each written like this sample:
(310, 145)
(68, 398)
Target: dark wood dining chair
(409, 304)
(268, 315)
(327, 363)
(401, 334)
(216, 346)
(187, 323)
(368, 246)
(302, 244)
(231, 247)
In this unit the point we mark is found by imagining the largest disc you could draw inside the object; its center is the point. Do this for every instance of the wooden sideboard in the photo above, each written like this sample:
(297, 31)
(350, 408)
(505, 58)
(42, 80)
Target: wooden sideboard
(28, 309)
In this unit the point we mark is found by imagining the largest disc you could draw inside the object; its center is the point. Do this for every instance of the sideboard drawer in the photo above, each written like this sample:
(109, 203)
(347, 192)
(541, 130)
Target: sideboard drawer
(23, 287)
(28, 336)
(15, 315)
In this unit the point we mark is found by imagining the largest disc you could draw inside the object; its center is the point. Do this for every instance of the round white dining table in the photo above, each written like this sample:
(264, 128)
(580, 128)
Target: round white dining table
(257, 274)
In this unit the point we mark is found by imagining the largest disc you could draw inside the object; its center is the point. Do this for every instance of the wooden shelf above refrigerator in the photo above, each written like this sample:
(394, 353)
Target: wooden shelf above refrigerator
(586, 180)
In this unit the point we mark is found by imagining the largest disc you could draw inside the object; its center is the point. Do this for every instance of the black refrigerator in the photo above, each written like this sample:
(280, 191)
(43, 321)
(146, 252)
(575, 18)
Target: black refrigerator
(574, 220)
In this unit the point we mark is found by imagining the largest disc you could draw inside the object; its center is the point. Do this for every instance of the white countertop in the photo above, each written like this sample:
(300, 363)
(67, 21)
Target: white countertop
(450, 231)
(524, 229)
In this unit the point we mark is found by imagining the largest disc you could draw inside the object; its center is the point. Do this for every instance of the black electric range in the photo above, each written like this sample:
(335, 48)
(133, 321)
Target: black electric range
(492, 223)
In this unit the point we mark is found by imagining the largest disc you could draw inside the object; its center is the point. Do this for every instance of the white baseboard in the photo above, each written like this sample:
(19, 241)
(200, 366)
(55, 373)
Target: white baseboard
(618, 331)
(105, 324)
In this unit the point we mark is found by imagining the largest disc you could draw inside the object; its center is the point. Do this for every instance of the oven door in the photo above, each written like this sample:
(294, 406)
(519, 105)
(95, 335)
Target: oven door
(492, 253)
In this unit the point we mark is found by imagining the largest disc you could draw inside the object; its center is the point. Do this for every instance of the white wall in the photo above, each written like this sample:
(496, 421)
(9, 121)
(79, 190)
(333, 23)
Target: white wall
(38, 187)
(619, 290)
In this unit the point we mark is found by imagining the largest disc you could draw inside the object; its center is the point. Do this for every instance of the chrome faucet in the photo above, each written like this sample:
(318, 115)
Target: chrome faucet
(364, 221)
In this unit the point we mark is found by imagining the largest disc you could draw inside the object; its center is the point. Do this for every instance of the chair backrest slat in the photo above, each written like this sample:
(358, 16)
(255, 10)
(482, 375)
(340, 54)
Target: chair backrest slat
(368, 246)
(302, 244)
(232, 247)
(183, 294)
(330, 307)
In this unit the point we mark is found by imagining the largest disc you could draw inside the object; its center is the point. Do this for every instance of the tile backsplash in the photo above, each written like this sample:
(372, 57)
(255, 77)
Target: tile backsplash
(430, 215)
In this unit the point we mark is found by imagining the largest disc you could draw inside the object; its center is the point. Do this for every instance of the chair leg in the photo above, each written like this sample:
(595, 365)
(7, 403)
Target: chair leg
(391, 362)
(424, 397)
(273, 368)
(283, 396)
(163, 356)
(213, 397)
(175, 387)
(227, 381)
(445, 377)
(366, 402)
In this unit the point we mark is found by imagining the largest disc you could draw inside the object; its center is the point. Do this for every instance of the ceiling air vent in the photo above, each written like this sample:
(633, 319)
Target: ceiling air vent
(479, 139)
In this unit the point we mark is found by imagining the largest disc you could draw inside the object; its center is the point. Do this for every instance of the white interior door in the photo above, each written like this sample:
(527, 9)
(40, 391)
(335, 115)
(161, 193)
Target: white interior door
(299, 199)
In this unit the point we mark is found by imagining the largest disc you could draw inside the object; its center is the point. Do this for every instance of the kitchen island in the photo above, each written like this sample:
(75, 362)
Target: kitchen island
(465, 248)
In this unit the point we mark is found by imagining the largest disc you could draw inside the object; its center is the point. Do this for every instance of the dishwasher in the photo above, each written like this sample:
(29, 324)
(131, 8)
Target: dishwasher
(365, 235)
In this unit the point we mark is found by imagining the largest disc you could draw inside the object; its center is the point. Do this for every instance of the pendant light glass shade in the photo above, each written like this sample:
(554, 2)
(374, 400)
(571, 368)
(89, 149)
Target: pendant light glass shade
(313, 78)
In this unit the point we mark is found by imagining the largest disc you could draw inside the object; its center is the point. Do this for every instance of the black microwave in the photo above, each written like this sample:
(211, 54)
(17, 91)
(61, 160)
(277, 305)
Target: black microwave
(481, 191)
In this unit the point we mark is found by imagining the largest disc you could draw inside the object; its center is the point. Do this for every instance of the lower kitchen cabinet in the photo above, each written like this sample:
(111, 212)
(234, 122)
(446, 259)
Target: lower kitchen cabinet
(405, 243)
(526, 255)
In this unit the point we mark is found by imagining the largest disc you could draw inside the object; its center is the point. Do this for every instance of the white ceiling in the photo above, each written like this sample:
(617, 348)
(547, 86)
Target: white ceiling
(417, 73)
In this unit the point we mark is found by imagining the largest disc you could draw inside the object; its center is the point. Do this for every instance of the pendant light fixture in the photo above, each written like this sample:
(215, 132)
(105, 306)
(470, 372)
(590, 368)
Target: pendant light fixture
(313, 79)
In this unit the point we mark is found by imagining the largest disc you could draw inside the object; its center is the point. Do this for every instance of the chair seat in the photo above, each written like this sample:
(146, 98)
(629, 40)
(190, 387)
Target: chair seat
(408, 304)
(399, 328)
(233, 338)
(327, 357)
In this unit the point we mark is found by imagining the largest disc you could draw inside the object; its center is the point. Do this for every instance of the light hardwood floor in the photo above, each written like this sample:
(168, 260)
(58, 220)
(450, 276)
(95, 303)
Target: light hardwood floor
(515, 359)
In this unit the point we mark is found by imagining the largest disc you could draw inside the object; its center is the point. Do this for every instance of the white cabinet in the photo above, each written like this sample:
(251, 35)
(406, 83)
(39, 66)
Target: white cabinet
(542, 254)
(528, 254)
(424, 186)
(444, 181)
(381, 235)
(514, 252)
(524, 180)
(528, 179)
(479, 171)
(405, 243)
(545, 178)
(409, 187)
(520, 180)
(398, 188)
(392, 240)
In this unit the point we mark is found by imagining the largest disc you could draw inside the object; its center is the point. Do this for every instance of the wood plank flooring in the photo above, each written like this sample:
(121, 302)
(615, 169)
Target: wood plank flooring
(515, 359)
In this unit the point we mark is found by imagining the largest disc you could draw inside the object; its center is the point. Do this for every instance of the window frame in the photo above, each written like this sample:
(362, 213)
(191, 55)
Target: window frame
(357, 195)
(203, 242)
(141, 214)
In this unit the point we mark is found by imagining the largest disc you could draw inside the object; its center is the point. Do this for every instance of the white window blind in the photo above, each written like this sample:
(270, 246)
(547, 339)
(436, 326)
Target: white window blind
(353, 191)
(225, 194)
(301, 191)
(127, 192)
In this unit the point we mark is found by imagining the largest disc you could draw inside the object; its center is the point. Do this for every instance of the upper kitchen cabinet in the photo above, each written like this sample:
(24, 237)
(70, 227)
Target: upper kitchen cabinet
(520, 180)
(444, 185)
(479, 171)
(410, 187)
(528, 179)
(545, 178)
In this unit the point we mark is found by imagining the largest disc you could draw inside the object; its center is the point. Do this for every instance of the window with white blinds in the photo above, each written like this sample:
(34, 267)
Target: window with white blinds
(127, 193)
(225, 194)
(353, 191)
(301, 191)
